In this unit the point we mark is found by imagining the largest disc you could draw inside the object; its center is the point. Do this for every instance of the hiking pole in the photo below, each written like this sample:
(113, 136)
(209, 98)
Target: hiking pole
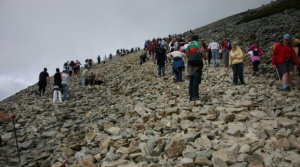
(277, 73)
(13, 119)
(226, 71)
(209, 88)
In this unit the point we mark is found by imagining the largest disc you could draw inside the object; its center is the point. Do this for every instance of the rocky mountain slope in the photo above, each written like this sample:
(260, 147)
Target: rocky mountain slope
(138, 119)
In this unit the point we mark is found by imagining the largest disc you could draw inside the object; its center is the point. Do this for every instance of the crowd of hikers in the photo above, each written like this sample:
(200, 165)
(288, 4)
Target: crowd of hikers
(189, 54)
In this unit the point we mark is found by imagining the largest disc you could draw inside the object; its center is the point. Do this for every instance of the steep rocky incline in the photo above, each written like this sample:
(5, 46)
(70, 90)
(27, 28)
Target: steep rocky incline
(139, 119)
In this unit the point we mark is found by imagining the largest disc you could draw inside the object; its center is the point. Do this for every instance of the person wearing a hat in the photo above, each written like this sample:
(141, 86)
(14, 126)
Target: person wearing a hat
(284, 59)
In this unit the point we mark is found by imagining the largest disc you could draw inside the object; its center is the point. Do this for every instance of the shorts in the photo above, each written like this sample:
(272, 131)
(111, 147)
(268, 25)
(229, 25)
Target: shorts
(287, 66)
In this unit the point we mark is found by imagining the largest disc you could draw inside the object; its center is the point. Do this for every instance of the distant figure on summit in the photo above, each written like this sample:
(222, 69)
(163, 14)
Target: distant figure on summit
(99, 59)
(43, 80)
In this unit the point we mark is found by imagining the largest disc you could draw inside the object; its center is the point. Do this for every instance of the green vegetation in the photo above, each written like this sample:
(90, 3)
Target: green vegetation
(274, 8)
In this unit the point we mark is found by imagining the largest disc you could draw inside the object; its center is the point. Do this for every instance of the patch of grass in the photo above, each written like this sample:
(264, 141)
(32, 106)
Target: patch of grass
(274, 8)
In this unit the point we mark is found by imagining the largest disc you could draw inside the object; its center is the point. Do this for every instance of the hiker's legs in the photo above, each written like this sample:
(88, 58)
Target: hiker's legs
(191, 86)
(214, 53)
(226, 58)
(159, 69)
(195, 81)
(65, 90)
(54, 95)
(163, 69)
(241, 72)
(290, 77)
(285, 80)
(179, 74)
(235, 73)
(59, 96)
(83, 80)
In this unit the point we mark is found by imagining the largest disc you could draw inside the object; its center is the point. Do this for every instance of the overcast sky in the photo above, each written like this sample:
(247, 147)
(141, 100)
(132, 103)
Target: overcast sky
(45, 33)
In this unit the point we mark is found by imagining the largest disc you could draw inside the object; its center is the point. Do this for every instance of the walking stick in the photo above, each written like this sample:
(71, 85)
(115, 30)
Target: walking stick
(226, 71)
(277, 73)
(209, 88)
(13, 119)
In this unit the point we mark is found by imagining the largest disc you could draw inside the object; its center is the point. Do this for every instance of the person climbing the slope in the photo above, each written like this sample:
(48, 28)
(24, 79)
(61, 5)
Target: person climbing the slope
(64, 82)
(284, 59)
(226, 49)
(195, 53)
(57, 88)
(84, 76)
(160, 58)
(178, 63)
(43, 80)
(236, 58)
(214, 47)
(255, 54)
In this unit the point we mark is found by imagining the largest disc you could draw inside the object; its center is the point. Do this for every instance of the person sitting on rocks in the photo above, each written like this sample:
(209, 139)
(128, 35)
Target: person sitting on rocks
(57, 88)
(236, 58)
(99, 80)
(91, 78)
(143, 58)
(284, 59)
(178, 63)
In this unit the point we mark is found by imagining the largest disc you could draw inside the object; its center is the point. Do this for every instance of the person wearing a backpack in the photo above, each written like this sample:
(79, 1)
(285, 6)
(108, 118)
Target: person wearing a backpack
(284, 59)
(161, 58)
(195, 53)
(226, 49)
(255, 54)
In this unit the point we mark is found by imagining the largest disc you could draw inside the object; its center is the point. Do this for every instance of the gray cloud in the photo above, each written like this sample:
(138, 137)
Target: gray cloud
(42, 33)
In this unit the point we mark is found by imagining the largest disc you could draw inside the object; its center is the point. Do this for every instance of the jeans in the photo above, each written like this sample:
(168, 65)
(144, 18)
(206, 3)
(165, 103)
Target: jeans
(238, 72)
(178, 74)
(195, 81)
(83, 80)
(161, 69)
(226, 57)
(215, 56)
(65, 91)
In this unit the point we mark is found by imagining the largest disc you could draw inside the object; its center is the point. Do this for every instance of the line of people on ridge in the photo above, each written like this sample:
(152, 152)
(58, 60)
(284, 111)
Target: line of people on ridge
(285, 58)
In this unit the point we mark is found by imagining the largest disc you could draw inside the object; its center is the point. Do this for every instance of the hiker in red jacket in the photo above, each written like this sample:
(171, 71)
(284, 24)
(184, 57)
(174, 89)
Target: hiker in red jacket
(284, 59)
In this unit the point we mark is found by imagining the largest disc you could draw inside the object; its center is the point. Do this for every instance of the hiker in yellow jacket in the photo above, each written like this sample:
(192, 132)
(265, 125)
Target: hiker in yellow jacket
(236, 57)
